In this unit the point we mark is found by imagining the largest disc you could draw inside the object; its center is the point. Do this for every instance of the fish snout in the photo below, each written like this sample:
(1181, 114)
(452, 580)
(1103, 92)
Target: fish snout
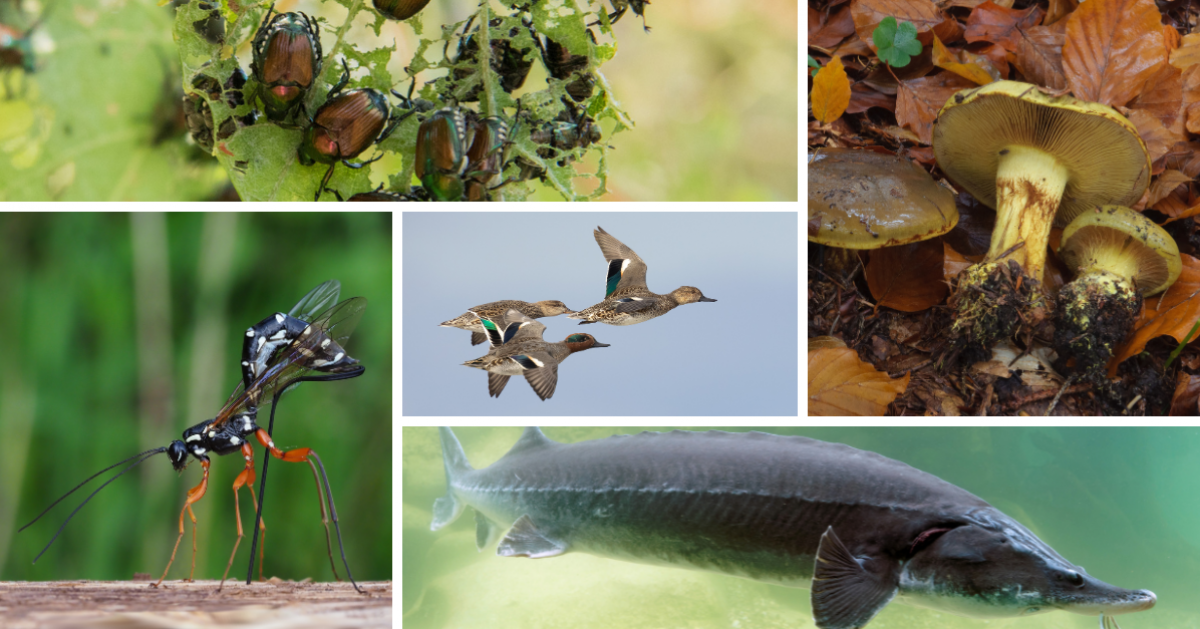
(1099, 597)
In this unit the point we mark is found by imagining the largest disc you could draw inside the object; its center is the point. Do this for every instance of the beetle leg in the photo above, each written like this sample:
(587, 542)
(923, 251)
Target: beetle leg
(194, 495)
(324, 182)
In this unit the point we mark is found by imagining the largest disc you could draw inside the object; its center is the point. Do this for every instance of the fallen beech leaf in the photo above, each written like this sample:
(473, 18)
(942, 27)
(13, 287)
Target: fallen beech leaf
(1163, 98)
(862, 98)
(993, 23)
(973, 71)
(1058, 10)
(822, 342)
(953, 262)
(1186, 401)
(831, 92)
(919, 100)
(1172, 313)
(868, 14)
(836, 28)
(1039, 57)
(841, 384)
(1158, 138)
(907, 278)
(1164, 184)
(1113, 47)
(1173, 206)
(1188, 213)
(1188, 52)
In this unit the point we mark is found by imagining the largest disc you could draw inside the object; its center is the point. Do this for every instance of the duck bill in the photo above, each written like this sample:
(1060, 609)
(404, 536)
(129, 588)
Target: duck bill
(706, 299)
(599, 344)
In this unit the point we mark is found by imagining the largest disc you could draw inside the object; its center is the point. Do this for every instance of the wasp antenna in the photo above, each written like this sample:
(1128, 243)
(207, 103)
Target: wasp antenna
(140, 458)
(88, 480)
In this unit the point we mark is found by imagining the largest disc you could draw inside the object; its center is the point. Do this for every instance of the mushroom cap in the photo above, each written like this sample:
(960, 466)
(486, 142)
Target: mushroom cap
(1128, 233)
(1106, 160)
(867, 200)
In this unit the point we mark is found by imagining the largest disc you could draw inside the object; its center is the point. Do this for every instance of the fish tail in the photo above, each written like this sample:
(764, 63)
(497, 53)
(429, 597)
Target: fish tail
(447, 508)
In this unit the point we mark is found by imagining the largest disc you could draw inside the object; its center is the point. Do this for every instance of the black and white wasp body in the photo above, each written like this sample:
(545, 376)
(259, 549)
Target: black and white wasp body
(279, 352)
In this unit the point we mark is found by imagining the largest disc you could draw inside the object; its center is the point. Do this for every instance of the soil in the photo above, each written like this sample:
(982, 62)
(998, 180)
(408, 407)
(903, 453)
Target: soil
(968, 383)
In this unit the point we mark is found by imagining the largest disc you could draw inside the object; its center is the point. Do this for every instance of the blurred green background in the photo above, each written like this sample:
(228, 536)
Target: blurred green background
(713, 91)
(123, 330)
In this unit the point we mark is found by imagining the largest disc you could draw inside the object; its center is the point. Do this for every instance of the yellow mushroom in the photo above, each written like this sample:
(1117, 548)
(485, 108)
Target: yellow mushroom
(1118, 256)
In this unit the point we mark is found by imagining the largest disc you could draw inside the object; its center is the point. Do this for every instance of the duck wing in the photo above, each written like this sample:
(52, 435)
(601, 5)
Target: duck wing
(625, 269)
(496, 384)
(543, 379)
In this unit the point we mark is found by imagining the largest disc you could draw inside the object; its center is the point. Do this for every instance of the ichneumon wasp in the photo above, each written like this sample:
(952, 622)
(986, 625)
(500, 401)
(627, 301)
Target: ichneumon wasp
(278, 353)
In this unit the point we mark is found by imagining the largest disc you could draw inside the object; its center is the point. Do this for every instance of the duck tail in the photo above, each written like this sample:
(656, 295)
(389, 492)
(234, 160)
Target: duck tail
(447, 508)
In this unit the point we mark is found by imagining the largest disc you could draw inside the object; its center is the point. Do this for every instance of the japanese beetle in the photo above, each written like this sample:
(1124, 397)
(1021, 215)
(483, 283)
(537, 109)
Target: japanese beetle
(198, 114)
(345, 126)
(565, 133)
(458, 157)
(399, 9)
(507, 61)
(287, 60)
(562, 65)
(198, 117)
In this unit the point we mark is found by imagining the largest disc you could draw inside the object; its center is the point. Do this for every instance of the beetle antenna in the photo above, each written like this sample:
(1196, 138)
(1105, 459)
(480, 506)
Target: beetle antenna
(140, 458)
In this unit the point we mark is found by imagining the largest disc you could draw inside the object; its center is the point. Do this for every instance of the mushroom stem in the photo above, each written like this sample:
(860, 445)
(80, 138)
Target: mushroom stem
(1029, 186)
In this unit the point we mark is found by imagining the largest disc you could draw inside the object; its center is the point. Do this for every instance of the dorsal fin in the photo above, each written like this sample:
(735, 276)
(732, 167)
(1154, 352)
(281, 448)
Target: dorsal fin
(531, 439)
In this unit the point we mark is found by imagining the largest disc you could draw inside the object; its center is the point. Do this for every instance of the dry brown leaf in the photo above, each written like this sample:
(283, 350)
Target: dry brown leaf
(1188, 213)
(1173, 205)
(833, 30)
(1113, 47)
(1058, 10)
(1164, 184)
(973, 69)
(1039, 57)
(918, 101)
(1172, 313)
(831, 92)
(1158, 138)
(862, 98)
(868, 14)
(1188, 52)
(953, 262)
(1163, 97)
(993, 23)
(1186, 401)
(907, 278)
(841, 384)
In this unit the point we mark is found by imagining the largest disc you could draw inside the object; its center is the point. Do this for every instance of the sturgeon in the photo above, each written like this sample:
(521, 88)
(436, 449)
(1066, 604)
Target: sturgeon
(857, 528)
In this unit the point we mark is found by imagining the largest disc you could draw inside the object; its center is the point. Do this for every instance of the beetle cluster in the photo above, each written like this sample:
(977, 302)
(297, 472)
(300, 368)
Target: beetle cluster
(459, 153)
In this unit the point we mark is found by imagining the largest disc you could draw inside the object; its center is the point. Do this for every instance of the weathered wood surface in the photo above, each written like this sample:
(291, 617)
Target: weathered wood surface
(183, 605)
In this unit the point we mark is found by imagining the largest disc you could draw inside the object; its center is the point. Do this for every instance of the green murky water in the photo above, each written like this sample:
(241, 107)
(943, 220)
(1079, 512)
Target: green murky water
(1124, 503)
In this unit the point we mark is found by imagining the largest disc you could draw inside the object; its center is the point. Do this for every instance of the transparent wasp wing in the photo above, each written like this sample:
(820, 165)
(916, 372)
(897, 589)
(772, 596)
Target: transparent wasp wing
(320, 346)
(319, 299)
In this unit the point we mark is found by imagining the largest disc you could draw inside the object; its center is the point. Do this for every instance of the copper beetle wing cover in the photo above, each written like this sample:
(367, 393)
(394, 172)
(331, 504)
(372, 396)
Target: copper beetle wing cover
(866, 200)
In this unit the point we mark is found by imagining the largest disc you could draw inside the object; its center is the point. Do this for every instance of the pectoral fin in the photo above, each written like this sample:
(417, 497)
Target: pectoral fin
(846, 591)
(486, 531)
(525, 540)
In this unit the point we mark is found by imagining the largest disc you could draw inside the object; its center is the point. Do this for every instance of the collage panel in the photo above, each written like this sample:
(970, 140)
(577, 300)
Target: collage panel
(667, 305)
(175, 336)
(948, 527)
(398, 100)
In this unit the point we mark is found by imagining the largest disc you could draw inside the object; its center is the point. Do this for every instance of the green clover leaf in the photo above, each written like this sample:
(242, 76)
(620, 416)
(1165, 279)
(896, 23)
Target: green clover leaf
(896, 45)
(812, 63)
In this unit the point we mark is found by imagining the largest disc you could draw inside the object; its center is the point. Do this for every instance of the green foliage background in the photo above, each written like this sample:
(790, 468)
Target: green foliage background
(85, 383)
(712, 94)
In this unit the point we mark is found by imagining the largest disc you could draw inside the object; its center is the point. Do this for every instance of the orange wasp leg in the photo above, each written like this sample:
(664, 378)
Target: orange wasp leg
(246, 477)
(301, 455)
(194, 495)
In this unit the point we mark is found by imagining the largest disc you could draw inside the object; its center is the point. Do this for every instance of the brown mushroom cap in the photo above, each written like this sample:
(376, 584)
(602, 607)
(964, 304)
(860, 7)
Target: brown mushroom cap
(1105, 160)
(867, 200)
(1122, 241)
